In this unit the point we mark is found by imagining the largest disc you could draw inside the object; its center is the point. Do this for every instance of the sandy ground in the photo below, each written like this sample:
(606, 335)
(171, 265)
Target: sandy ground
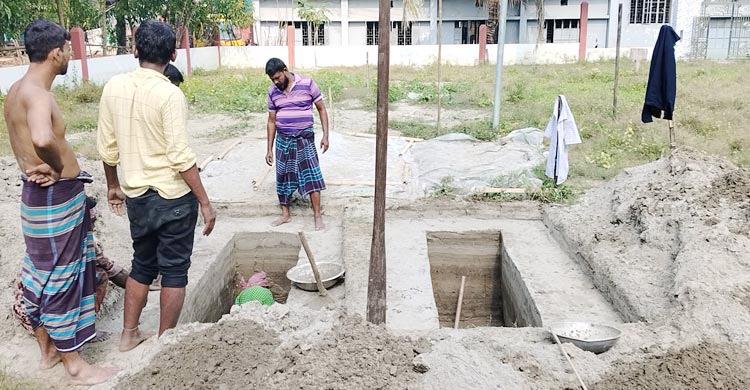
(666, 243)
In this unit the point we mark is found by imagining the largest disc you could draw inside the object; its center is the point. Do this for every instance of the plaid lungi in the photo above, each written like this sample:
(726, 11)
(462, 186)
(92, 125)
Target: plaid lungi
(58, 276)
(297, 166)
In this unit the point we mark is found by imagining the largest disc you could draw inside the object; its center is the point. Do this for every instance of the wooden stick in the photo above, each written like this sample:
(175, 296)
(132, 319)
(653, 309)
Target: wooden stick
(205, 163)
(331, 117)
(228, 149)
(557, 340)
(376, 286)
(672, 137)
(460, 302)
(321, 290)
(258, 183)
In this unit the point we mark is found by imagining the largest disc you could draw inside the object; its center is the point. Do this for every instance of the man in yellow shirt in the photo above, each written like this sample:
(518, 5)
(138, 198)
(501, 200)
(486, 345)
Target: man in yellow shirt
(143, 130)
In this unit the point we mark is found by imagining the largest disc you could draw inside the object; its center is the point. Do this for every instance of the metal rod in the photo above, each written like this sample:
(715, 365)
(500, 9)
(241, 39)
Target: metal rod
(439, 61)
(503, 12)
(617, 60)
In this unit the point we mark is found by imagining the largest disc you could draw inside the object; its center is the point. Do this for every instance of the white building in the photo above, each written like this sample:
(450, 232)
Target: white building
(355, 22)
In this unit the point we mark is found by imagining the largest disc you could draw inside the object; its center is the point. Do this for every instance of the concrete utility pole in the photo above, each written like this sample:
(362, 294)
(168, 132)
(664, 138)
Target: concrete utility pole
(376, 297)
(503, 15)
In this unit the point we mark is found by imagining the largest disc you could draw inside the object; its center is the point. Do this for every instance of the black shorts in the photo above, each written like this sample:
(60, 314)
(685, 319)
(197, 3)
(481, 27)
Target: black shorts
(163, 232)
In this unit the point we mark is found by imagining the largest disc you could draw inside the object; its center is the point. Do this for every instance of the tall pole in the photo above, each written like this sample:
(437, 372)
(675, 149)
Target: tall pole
(617, 59)
(439, 61)
(376, 297)
(503, 15)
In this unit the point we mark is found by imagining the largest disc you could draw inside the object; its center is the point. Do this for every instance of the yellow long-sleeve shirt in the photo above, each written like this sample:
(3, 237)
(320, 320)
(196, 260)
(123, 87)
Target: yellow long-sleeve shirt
(143, 128)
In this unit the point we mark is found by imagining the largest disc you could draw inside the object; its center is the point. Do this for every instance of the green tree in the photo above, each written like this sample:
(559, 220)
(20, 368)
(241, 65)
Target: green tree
(314, 16)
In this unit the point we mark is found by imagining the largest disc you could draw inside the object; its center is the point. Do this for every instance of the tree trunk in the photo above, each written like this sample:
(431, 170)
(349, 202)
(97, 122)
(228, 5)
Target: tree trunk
(492, 22)
(105, 27)
(120, 33)
(541, 38)
(61, 14)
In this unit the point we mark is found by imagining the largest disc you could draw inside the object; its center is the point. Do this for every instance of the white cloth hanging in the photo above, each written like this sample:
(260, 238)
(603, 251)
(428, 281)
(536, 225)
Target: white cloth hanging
(562, 131)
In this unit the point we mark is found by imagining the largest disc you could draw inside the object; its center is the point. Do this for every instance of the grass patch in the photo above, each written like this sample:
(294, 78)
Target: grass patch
(707, 118)
(479, 129)
(445, 189)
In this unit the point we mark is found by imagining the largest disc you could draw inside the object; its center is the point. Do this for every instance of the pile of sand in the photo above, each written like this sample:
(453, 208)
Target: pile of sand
(244, 354)
(704, 366)
(669, 241)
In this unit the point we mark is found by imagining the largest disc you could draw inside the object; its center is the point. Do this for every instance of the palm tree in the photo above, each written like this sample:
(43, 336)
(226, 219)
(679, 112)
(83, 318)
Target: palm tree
(493, 16)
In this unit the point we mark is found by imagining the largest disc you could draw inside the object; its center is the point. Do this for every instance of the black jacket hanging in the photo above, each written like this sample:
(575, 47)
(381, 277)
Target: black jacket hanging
(662, 78)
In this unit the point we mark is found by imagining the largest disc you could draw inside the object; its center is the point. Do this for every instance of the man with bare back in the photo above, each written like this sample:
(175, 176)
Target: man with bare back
(58, 275)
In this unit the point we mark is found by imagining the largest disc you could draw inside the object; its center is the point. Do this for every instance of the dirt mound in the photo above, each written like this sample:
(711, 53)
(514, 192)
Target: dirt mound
(232, 354)
(243, 354)
(668, 239)
(704, 366)
(356, 355)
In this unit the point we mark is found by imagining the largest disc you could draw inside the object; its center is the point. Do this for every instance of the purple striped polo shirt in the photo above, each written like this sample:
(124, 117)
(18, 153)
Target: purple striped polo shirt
(294, 109)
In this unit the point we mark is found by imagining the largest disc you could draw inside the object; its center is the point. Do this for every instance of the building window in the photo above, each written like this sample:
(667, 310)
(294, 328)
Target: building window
(650, 11)
(307, 32)
(404, 34)
(561, 30)
(563, 2)
(372, 33)
(466, 31)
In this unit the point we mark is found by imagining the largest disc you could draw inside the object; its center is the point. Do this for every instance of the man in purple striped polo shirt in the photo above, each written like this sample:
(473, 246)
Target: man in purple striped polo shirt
(290, 127)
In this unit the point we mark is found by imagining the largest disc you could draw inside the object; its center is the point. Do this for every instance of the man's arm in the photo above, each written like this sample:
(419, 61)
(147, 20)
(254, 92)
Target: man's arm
(193, 180)
(182, 158)
(271, 132)
(39, 120)
(115, 196)
(324, 122)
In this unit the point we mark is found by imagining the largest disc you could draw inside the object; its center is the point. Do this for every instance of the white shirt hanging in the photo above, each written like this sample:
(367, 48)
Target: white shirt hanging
(562, 131)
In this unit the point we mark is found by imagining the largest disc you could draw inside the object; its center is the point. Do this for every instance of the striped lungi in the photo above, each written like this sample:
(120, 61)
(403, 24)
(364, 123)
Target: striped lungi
(58, 275)
(297, 166)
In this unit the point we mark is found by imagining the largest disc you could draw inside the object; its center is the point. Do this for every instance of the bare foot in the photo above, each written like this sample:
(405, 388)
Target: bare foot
(88, 375)
(319, 225)
(49, 361)
(281, 220)
(132, 338)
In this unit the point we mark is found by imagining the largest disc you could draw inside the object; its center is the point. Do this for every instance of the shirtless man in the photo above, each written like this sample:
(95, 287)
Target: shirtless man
(55, 222)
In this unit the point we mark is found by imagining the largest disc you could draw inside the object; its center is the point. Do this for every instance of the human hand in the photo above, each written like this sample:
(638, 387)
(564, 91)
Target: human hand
(269, 158)
(43, 175)
(209, 218)
(116, 200)
(324, 143)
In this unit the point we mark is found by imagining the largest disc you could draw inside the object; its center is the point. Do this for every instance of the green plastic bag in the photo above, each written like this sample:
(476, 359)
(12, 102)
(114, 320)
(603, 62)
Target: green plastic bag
(256, 293)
